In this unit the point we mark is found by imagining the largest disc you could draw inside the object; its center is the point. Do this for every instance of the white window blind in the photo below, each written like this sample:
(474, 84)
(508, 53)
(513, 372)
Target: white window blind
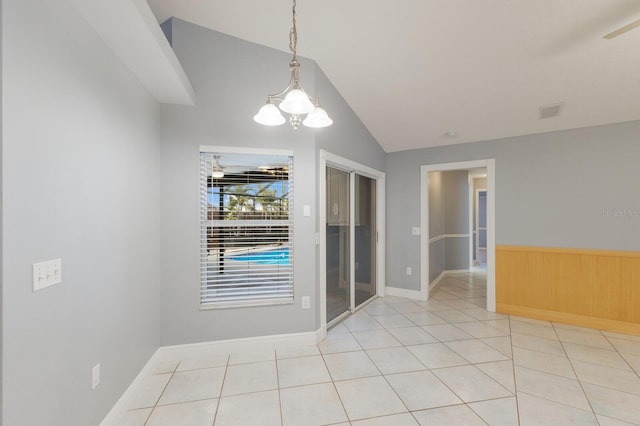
(246, 229)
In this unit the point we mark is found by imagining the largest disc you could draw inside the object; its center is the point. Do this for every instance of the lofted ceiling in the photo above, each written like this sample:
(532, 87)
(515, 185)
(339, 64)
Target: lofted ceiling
(422, 73)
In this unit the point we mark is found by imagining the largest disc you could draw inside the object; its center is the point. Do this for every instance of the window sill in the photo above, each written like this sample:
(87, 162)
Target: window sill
(236, 305)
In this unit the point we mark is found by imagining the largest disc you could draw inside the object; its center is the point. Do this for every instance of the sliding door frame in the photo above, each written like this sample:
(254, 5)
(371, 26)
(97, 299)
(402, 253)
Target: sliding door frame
(332, 160)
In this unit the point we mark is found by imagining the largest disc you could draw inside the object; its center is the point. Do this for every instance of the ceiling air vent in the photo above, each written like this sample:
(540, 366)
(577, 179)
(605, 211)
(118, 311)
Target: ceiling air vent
(548, 111)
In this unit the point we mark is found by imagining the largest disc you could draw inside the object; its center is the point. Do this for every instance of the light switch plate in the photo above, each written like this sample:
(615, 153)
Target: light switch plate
(415, 230)
(46, 274)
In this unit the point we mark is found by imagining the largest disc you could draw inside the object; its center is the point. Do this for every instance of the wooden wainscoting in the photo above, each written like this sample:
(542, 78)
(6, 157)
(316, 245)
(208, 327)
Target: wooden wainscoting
(588, 288)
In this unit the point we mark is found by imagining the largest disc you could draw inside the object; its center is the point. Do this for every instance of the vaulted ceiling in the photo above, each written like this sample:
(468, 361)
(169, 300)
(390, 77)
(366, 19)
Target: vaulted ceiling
(422, 73)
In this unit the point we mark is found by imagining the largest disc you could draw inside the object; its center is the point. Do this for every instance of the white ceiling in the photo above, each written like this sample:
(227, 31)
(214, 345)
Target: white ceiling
(413, 70)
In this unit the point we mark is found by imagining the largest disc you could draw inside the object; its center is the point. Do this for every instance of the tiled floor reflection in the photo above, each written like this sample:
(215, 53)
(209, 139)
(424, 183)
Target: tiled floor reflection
(401, 362)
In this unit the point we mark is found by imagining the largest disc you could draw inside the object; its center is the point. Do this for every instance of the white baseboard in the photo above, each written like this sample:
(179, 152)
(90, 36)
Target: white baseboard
(176, 352)
(170, 353)
(443, 274)
(403, 292)
(435, 282)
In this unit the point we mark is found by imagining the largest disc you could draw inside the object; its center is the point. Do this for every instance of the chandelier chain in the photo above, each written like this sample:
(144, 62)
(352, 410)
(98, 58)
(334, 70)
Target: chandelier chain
(293, 33)
(293, 99)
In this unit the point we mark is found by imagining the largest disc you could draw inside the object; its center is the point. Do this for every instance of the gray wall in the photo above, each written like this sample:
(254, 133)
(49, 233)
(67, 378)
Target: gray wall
(436, 226)
(436, 205)
(231, 87)
(560, 189)
(80, 182)
(402, 213)
(347, 137)
(448, 214)
(455, 191)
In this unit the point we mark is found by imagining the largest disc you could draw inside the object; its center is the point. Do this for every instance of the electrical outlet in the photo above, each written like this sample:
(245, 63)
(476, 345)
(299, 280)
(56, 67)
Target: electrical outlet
(415, 230)
(46, 274)
(95, 376)
(306, 302)
(409, 270)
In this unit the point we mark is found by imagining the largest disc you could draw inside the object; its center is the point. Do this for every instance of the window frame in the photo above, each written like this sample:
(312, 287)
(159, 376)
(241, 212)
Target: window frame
(206, 300)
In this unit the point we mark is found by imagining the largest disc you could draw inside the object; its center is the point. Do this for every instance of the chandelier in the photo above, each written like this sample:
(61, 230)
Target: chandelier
(293, 99)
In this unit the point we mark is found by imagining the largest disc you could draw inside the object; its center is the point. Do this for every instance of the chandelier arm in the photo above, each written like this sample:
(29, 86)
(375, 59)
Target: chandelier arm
(278, 96)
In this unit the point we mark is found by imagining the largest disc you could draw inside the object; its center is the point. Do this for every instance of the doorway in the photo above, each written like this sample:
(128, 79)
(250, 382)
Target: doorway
(351, 223)
(480, 230)
(489, 164)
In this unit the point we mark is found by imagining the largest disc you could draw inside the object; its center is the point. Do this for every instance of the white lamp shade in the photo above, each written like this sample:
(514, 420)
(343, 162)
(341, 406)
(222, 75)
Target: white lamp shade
(317, 118)
(296, 102)
(269, 115)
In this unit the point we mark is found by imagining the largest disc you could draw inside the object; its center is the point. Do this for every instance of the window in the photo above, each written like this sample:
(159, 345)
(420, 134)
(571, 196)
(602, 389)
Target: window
(246, 229)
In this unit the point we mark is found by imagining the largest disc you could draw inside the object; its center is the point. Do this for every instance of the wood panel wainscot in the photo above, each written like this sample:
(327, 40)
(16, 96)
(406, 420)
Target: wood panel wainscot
(587, 288)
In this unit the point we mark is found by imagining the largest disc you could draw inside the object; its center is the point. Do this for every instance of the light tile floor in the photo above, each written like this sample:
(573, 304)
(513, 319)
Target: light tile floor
(399, 362)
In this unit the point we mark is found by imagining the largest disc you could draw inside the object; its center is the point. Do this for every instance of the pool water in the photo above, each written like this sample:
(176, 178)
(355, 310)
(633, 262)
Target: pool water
(268, 257)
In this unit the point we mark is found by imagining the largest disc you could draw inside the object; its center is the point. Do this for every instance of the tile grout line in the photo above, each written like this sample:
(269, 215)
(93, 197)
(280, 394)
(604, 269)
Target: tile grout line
(226, 368)
(469, 363)
(615, 348)
(385, 378)
(333, 383)
(574, 372)
(513, 367)
(474, 365)
(161, 393)
(275, 354)
(466, 404)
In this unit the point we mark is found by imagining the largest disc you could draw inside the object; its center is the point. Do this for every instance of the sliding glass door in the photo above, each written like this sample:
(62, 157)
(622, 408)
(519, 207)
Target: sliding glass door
(350, 241)
(338, 243)
(365, 239)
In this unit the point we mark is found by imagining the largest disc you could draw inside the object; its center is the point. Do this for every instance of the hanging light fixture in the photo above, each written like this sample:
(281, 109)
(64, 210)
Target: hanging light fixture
(293, 99)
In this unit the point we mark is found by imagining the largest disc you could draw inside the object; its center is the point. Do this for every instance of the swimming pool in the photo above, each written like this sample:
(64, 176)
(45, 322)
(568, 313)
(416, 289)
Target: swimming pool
(279, 256)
